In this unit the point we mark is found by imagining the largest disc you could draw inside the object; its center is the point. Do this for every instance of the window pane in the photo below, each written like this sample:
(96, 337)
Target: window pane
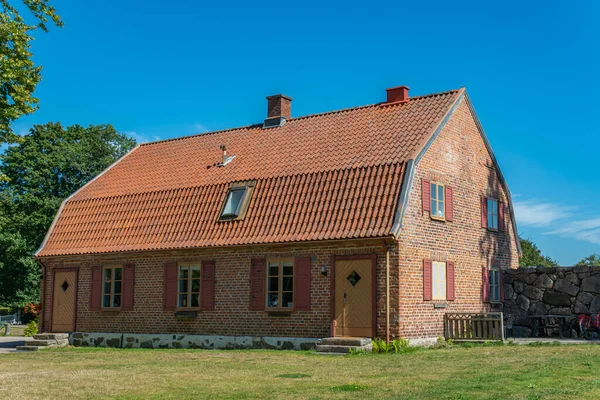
(440, 211)
(106, 300)
(273, 284)
(183, 300)
(196, 285)
(195, 300)
(106, 288)
(195, 272)
(272, 300)
(288, 269)
(273, 269)
(183, 272)
(107, 272)
(286, 300)
(183, 285)
(288, 284)
(490, 221)
(433, 207)
(118, 274)
(117, 300)
(433, 191)
(440, 193)
(117, 288)
(233, 202)
(439, 280)
(495, 221)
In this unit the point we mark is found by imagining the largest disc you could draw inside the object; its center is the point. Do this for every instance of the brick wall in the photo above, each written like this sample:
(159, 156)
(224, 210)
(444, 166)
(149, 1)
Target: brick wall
(231, 315)
(458, 158)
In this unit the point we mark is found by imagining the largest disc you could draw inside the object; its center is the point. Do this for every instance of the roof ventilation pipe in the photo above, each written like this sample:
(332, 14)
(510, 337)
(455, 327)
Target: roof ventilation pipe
(226, 160)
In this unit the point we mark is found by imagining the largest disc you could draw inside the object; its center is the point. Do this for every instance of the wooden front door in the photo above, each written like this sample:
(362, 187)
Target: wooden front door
(354, 297)
(64, 300)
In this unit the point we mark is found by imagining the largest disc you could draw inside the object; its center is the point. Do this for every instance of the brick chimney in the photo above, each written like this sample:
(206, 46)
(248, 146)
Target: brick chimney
(398, 94)
(279, 108)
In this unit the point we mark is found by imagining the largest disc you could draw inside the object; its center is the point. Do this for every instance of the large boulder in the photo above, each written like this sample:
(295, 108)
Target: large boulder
(573, 278)
(543, 281)
(585, 298)
(538, 308)
(580, 308)
(560, 311)
(519, 286)
(595, 305)
(509, 292)
(533, 293)
(528, 275)
(591, 284)
(563, 285)
(523, 302)
(557, 299)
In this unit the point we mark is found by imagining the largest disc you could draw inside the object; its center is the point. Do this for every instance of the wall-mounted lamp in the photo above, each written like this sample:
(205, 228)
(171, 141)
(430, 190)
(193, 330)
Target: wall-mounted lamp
(323, 270)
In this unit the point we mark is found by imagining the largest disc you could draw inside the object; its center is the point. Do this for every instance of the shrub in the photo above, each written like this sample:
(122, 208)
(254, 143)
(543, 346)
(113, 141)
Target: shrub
(395, 346)
(32, 328)
(6, 311)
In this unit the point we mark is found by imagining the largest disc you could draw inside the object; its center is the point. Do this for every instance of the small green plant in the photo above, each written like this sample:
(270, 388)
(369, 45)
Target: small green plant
(395, 346)
(350, 387)
(358, 352)
(32, 328)
(443, 343)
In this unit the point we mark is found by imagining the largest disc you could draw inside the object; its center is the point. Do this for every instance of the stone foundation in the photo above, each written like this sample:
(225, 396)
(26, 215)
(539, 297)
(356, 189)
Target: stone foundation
(169, 341)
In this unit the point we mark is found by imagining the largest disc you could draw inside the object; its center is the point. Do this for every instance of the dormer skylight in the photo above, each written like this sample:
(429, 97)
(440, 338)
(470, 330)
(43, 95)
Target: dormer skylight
(237, 201)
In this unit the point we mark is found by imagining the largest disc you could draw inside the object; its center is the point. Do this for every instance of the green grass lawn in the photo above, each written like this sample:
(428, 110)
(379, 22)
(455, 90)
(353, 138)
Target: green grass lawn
(483, 372)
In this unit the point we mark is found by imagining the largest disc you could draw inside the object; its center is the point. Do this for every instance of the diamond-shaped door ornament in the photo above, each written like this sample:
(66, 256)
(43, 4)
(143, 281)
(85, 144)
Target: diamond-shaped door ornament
(353, 278)
(64, 286)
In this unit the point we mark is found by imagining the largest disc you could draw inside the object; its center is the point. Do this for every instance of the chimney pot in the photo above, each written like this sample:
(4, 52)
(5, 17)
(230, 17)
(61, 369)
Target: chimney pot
(398, 94)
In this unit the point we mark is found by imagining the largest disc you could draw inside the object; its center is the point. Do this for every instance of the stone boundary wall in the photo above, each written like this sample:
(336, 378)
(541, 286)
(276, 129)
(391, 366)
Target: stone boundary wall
(171, 341)
(549, 291)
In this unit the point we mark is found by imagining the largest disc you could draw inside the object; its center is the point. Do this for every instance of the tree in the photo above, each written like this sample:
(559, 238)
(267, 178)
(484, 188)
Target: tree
(593, 260)
(532, 255)
(47, 165)
(18, 73)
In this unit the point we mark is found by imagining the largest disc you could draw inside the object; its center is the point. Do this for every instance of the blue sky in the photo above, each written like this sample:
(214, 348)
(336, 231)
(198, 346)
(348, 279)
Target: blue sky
(160, 69)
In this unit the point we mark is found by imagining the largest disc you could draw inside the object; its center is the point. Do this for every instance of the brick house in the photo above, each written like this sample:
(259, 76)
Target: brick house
(372, 221)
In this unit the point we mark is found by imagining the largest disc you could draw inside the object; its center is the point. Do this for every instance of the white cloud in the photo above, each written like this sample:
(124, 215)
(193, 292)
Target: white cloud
(537, 213)
(587, 230)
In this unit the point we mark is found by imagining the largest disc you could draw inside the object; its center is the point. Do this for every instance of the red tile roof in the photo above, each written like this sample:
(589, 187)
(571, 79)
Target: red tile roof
(334, 175)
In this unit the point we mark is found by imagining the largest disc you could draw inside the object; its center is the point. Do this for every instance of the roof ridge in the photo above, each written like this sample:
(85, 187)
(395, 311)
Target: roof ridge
(331, 170)
(251, 126)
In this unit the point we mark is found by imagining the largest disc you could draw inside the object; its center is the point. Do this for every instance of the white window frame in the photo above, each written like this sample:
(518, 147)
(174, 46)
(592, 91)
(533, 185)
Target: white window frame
(280, 276)
(494, 284)
(434, 199)
(492, 213)
(438, 281)
(112, 281)
(190, 266)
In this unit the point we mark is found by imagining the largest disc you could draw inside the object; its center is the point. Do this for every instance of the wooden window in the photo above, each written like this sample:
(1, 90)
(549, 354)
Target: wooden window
(438, 281)
(438, 208)
(494, 282)
(188, 289)
(112, 280)
(237, 201)
(280, 283)
(492, 214)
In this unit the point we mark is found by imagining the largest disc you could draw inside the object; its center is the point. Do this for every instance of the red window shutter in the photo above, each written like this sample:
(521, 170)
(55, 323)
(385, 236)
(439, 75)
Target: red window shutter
(450, 295)
(501, 284)
(128, 287)
(170, 286)
(258, 276)
(485, 283)
(207, 290)
(501, 213)
(449, 204)
(484, 212)
(427, 279)
(96, 288)
(302, 283)
(426, 195)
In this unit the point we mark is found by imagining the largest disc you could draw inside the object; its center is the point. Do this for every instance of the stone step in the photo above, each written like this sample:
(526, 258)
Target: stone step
(328, 348)
(346, 341)
(28, 348)
(51, 336)
(41, 343)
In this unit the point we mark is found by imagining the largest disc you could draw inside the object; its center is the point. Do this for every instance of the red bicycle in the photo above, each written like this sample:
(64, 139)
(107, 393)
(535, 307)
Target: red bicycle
(589, 326)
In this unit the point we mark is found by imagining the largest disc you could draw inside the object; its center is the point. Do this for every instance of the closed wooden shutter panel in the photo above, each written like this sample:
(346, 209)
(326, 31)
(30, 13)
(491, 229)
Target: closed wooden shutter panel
(170, 286)
(501, 284)
(501, 216)
(128, 287)
(484, 212)
(257, 284)
(485, 282)
(449, 204)
(302, 283)
(450, 281)
(427, 279)
(207, 286)
(426, 195)
(96, 288)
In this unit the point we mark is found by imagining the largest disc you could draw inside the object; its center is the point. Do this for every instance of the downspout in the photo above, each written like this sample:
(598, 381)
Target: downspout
(387, 295)
(42, 295)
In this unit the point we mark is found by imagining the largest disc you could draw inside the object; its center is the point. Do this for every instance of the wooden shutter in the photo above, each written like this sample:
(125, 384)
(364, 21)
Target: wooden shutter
(484, 212)
(449, 204)
(501, 284)
(302, 283)
(450, 294)
(128, 287)
(96, 288)
(258, 277)
(485, 283)
(501, 213)
(427, 279)
(170, 286)
(426, 195)
(207, 286)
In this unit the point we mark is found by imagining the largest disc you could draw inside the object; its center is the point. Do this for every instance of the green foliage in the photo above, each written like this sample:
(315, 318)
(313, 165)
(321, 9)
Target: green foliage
(593, 260)
(18, 73)
(32, 328)
(350, 387)
(47, 165)
(532, 255)
(442, 343)
(358, 352)
(395, 346)
(6, 311)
